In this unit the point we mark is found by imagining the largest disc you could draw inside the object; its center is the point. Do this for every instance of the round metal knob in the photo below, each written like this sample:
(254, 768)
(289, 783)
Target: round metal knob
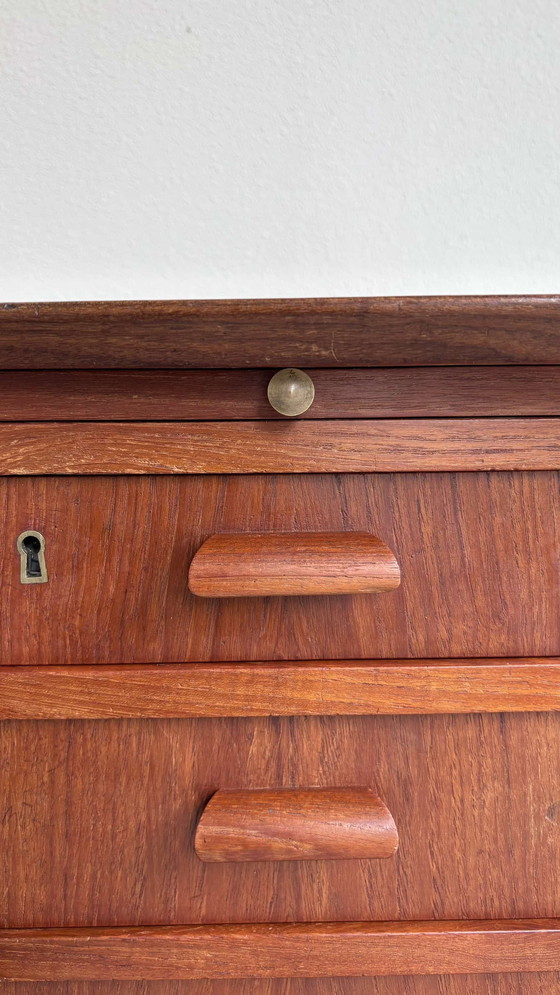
(291, 392)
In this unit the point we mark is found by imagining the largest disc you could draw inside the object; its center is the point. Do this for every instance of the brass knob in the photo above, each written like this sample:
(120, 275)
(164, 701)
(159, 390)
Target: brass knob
(291, 392)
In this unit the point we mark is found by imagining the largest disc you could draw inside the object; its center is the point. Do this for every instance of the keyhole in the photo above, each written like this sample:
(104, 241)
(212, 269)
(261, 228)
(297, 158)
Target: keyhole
(31, 548)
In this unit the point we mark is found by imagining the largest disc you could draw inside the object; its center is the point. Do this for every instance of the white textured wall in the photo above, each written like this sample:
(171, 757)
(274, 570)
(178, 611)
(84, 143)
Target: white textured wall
(250, 148)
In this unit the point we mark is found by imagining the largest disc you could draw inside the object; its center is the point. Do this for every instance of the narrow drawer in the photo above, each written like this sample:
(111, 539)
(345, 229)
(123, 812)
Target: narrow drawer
(98, 820)
(477, 553)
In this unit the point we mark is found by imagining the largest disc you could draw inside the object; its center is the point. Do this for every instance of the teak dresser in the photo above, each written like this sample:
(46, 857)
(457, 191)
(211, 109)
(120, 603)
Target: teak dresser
(280, 693)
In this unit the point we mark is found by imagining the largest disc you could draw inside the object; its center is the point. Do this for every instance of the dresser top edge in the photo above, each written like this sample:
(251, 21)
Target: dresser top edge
(372, 332)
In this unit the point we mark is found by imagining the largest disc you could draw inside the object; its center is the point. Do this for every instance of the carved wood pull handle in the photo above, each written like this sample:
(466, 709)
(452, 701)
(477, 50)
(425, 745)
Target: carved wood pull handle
(295, 824)
(283, 563)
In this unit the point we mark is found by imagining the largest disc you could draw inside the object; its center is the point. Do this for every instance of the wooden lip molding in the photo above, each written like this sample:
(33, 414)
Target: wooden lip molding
(240, 395)
(383, 446)
(324, 332)
(295, 824)
(309, 950)
(265, 564)
(218, 690)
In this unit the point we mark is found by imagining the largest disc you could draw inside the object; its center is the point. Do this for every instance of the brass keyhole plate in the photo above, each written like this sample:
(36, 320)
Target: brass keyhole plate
(31, 549)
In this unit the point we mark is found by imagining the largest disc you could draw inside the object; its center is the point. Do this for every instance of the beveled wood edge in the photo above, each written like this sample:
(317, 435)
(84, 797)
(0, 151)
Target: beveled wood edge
(309, 950)
(241, 395)
(363, 446)
(216, 690)
(327, 332)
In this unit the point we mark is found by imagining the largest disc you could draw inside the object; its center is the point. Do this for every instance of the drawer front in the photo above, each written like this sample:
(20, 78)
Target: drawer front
(477, 984)
(98, 819)
(478, 556)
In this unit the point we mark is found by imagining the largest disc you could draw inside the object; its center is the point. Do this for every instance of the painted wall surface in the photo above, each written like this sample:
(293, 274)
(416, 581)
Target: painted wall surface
(250, 148)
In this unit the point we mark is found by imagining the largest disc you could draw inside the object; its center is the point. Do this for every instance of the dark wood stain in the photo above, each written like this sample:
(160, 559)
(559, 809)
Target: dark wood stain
(240, 395)
(329, 332)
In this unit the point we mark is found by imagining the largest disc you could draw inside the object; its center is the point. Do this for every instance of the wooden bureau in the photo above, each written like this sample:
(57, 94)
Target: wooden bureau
(280, 696)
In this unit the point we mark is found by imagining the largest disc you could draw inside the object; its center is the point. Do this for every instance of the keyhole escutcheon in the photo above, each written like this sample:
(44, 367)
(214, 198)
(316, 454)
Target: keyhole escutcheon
(31, 548)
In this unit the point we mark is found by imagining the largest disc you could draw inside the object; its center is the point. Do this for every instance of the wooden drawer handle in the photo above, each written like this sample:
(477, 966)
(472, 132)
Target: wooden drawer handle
(295, 824)
(283, 563)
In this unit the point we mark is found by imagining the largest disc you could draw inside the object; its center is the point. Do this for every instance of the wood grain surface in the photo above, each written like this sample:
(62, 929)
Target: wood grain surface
(323, 332)
(478, 555)
(352, 446)
(316, 951)
(97, 819)
(266, 564)
(538, 983)
(295, 824)
(240, 395)
(350, 687)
